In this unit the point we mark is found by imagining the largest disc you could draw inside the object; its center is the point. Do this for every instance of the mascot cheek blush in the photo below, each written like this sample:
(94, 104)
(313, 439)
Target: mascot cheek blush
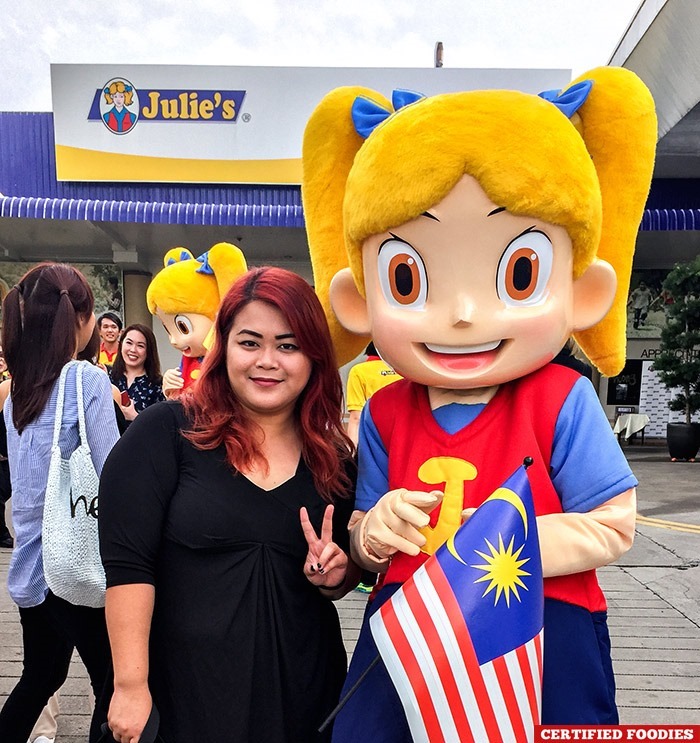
(470, 235)
(185, 296)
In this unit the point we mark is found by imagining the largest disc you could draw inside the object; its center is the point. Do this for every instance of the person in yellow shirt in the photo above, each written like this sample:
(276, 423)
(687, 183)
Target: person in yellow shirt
(364, 380)
(109, 326)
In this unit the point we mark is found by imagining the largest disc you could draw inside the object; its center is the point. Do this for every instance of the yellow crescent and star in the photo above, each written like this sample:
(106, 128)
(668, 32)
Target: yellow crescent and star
(502, 567)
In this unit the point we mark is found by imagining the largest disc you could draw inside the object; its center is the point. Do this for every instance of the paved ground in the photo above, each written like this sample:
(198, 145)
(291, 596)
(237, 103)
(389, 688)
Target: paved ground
(653, 595)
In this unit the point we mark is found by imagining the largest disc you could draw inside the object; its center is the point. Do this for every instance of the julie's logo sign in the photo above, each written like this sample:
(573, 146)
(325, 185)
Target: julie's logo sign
(119, 105)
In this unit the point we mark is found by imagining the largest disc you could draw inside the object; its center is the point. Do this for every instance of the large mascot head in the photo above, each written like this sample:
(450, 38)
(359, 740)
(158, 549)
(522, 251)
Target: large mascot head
(185, 295)
(470, 234)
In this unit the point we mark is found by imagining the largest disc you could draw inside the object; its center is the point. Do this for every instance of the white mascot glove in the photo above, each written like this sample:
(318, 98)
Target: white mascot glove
(172, 383)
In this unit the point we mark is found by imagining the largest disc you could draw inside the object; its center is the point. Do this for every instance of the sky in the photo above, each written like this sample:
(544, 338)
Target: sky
(561, 34)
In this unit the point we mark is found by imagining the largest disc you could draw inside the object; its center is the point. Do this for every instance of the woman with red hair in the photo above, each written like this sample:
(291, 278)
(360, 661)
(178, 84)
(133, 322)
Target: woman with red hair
(218, 515)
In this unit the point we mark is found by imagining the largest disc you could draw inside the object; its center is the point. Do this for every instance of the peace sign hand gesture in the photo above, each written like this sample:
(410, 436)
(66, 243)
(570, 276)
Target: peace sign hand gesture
(326, 564)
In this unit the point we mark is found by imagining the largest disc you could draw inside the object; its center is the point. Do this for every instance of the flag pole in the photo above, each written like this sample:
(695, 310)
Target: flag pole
(350, 692)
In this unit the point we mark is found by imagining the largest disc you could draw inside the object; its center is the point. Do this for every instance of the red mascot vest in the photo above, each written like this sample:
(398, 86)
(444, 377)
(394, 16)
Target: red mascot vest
(190, 368)
(518, 422)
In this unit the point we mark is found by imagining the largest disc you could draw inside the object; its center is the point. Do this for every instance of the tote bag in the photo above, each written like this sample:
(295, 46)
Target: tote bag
(71, 550)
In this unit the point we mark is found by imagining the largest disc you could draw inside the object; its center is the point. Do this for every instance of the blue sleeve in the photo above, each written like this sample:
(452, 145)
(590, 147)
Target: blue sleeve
(373, 464)
(100, 419)
(588, 466)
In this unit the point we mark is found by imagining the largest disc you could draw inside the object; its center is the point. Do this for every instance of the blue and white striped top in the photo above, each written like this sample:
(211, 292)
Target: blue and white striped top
(29, 455)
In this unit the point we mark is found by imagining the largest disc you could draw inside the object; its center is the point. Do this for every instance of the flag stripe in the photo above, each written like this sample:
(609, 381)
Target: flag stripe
(471, 662)
(505, 729)
(455, 657)
(425, 622)
(428, 665)
(522, 697)
(400, 679)
(529, 675)
(538, 662)
(501, 669)
(538, 646)
(413, 670)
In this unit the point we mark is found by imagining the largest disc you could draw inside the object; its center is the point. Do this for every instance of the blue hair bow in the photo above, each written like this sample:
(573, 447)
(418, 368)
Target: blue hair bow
(571, 99)
(184, 256)
(368, 115)
(205, 268)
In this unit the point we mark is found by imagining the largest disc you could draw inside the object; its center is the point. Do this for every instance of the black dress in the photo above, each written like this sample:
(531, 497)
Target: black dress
(243, 648)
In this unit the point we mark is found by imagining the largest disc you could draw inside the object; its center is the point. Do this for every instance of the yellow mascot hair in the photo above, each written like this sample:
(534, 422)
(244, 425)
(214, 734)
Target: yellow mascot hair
(590, 174)
(196, 285)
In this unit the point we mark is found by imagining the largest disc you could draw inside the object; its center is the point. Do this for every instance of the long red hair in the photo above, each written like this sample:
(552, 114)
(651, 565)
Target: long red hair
(218, 417)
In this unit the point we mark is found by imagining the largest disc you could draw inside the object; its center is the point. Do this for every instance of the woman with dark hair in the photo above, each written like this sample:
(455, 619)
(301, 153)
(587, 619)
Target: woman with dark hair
(47, 320)
(136, 370)
(217, 519)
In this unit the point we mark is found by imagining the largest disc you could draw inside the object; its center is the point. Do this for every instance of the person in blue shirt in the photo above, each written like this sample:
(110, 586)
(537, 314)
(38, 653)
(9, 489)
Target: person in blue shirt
(47, 320)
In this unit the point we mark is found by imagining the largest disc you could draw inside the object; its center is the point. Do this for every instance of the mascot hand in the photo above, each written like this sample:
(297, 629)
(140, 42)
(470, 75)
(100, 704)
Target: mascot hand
(393, 524)
(172, 382)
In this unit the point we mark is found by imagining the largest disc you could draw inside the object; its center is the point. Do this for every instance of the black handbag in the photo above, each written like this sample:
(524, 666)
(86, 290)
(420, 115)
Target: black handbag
(148, 735)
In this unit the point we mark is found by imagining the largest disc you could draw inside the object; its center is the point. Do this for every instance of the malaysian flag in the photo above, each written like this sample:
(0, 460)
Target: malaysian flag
(462, 638)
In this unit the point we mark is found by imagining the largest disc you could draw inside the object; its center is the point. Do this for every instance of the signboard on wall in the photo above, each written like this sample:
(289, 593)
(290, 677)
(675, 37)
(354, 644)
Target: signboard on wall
(175, 124)
(647, 303)
(625, 388)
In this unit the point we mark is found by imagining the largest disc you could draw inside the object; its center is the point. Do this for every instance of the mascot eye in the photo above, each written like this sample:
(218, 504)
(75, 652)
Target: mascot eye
(524, 270)
(402, 275)
(183, 324)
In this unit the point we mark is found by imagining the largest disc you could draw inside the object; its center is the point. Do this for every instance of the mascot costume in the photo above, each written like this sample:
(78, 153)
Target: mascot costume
(185, 296)
(470, 235)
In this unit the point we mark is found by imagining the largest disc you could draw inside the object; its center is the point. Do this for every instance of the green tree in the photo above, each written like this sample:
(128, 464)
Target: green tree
(678, 363)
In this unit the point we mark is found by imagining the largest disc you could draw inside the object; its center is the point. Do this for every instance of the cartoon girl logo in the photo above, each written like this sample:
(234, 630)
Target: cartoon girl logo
(120, 106)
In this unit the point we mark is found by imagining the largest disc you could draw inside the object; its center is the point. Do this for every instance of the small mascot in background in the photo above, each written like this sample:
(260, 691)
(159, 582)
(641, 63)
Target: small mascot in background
(469, 235)
(185, 297)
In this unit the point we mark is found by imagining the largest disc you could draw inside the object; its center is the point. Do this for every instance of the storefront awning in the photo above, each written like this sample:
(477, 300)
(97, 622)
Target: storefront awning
(141, 212)
(670, 220)
(238, 215)
(28, 166)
